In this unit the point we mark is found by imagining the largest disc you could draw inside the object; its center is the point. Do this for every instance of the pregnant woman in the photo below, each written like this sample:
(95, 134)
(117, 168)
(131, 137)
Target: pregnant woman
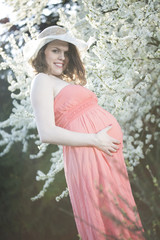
(67, 114)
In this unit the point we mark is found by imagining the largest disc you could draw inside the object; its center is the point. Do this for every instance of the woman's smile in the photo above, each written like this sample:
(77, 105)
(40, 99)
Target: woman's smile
(59, 65)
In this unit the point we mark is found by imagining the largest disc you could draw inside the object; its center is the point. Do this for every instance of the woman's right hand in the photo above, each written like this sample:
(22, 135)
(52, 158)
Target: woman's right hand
(106, 143)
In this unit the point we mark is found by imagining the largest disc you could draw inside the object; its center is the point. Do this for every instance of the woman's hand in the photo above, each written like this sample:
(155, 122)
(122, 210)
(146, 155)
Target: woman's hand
(105, 142)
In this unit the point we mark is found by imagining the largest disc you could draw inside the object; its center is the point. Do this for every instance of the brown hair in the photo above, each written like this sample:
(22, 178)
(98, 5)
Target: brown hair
(75, 70)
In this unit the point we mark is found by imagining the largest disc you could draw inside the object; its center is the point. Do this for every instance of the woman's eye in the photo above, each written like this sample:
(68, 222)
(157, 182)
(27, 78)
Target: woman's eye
(55, 51)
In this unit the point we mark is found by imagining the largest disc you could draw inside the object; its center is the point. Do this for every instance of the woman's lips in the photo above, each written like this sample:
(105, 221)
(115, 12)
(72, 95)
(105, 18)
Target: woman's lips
(59, 65)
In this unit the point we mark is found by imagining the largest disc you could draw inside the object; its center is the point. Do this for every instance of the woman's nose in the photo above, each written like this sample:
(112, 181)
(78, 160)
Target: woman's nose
(62, 55)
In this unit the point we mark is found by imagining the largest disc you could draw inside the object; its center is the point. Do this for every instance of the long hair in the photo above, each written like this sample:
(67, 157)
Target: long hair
(75, 70)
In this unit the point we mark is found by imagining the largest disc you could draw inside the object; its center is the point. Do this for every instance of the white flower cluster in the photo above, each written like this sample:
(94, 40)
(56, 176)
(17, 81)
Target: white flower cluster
(21, 121)
(57, 166)
(123, 65)
(62, 195)
(25, 11)
(123, 69)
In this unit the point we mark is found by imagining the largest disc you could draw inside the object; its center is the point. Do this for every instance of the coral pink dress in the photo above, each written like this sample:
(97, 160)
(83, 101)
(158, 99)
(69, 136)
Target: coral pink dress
(98, 184)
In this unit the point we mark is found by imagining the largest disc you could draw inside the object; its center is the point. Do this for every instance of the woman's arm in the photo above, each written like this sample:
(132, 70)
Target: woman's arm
(42, 98)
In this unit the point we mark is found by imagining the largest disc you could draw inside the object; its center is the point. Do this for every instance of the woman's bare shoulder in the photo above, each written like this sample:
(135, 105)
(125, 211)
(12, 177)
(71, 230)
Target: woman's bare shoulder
(47, 82)
(42, 80)
(42, 77)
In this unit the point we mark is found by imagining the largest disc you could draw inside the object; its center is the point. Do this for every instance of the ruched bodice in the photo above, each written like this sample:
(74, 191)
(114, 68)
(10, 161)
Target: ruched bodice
(98, 184)
(72, 104)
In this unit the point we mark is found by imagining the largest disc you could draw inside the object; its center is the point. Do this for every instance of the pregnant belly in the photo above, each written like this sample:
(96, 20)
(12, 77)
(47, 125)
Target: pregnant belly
(94, 120)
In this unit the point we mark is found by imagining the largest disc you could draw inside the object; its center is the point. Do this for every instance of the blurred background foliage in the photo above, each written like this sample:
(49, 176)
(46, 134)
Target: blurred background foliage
(45, 219)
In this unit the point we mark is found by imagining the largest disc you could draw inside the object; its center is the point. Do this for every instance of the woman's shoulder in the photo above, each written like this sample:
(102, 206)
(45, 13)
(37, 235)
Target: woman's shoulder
(40, 81)
(44, 82)
(42, 77)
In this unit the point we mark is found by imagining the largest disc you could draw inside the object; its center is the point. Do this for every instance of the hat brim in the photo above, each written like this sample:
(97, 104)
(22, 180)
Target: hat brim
(32, 48)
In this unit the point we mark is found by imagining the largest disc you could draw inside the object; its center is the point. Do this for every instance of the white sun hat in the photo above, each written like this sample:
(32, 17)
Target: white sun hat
(49, 34)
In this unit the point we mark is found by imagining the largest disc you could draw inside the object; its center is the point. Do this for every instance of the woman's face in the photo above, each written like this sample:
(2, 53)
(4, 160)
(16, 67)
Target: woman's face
(56, 54)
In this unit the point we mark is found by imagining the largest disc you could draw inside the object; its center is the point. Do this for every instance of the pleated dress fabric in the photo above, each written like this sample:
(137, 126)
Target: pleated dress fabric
(98, 184)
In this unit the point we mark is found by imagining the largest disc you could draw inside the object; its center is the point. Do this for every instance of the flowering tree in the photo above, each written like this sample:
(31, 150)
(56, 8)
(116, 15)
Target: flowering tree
(123, 66)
